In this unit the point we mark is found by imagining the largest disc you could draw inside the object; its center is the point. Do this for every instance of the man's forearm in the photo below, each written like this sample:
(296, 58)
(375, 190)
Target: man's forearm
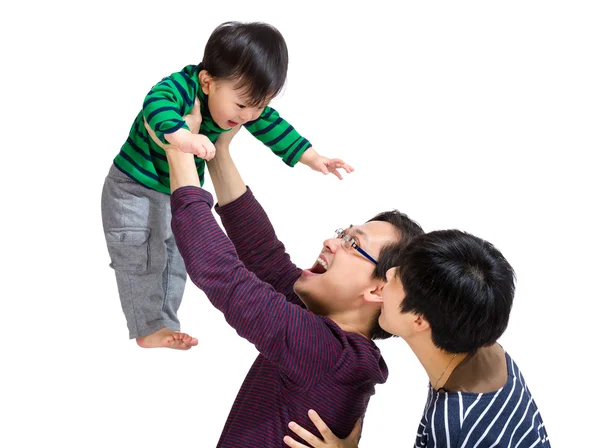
(225, 177)
(182, 169)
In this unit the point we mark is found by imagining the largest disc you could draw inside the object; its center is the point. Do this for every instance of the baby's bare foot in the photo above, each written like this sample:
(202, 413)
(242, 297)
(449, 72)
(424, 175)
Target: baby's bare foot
(169, 339)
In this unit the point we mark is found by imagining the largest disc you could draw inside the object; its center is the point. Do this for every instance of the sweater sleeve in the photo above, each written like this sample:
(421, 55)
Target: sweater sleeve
(257, 245)
(279, 136)
(167, 103)
(299, 342)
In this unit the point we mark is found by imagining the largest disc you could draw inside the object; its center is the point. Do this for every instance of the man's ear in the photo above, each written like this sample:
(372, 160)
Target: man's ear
(420, 323)
(205, 81)
(375, 293)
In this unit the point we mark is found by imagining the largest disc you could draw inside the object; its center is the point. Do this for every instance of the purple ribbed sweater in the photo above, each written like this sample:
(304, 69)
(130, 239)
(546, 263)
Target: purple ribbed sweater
(306, 361)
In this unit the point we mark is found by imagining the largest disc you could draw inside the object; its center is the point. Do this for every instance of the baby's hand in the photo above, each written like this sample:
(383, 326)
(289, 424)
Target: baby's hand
(187, 141)
(198, 145)
(324, 164)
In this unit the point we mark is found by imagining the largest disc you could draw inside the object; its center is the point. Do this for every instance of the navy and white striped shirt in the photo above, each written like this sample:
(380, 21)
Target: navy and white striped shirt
(507, 417)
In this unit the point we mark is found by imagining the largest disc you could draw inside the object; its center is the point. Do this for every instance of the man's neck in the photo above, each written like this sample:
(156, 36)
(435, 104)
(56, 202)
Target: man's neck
(484, 371)
(353, 322)
(357, 320)
(481, 372)
(438, 364)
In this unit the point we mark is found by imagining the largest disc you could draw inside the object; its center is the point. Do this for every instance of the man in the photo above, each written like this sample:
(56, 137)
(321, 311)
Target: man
(449, 297)
(313, 328)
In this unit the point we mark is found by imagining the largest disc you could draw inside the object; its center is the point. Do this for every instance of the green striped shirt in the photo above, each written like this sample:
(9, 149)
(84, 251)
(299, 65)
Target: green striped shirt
(164, 107)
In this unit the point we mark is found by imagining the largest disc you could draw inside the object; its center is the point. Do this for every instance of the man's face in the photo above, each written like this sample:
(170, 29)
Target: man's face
(227, 106)
(342, 277)
(390, 319)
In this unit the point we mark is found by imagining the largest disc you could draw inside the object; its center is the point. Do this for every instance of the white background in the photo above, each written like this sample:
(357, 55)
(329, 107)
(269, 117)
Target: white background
(473, 115)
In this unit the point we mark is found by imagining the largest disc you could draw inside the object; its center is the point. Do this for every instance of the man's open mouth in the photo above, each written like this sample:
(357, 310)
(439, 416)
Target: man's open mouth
(320, 267)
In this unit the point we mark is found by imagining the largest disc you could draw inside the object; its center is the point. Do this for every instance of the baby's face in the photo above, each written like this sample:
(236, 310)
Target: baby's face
(227, 105)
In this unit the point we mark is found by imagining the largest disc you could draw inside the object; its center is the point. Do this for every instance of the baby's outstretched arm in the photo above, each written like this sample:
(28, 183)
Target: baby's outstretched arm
(285, 141)
(325, 165)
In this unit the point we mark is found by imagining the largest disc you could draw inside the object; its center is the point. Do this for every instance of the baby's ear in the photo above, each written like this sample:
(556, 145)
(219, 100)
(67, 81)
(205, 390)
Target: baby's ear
(205, 81)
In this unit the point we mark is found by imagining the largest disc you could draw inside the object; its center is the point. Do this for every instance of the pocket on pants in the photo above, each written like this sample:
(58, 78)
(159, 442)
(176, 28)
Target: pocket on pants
(128, 248)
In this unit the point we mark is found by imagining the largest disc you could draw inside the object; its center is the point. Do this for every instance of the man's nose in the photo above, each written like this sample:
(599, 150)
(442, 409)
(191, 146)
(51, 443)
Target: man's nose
(332, 244)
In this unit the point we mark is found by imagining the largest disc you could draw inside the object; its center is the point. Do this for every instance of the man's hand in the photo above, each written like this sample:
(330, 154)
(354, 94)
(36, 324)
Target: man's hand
(329, 439)
(194, 118)
(324, 164)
